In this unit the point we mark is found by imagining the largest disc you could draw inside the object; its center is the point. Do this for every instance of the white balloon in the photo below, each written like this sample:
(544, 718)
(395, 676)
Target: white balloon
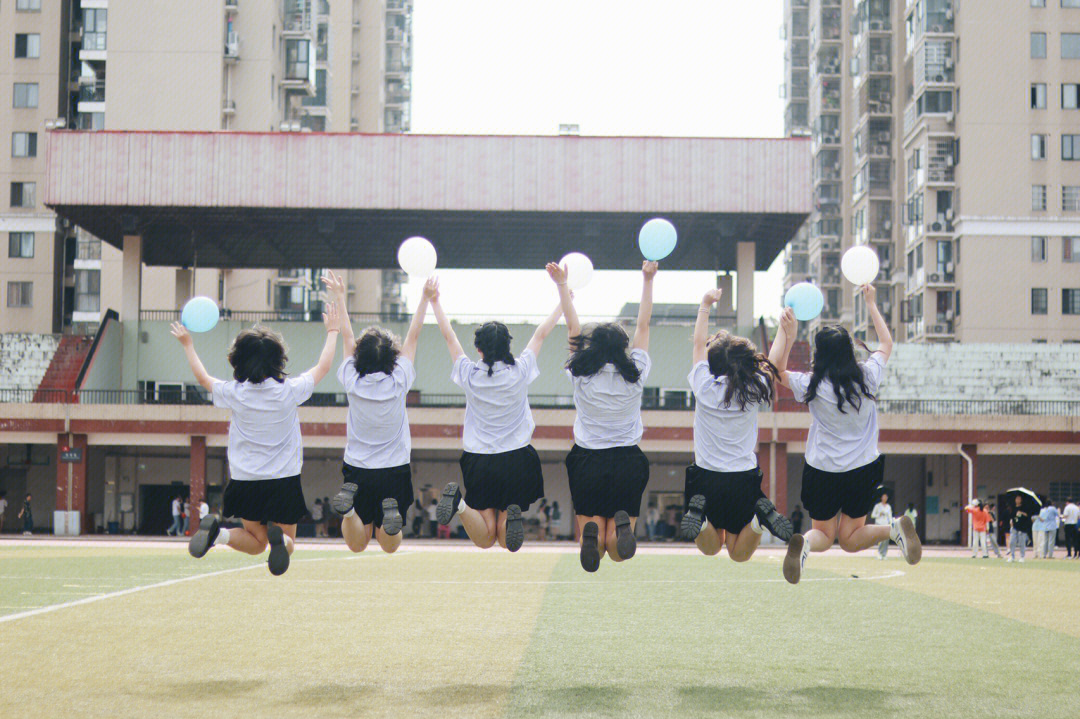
(579, 270)
(860, 265)
(417, 257)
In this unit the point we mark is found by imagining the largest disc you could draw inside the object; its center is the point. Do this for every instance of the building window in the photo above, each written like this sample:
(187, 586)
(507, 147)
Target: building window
(24, 144)
(21, 244)
(22, 194)
(1070, 96)
(1038, 45)
(1069, 3)
(1038, 249)
(25, 95)
(1070, 45)
(1070, 147)
(1070, 251)
(95, 23)
(20, 294)
(1038, 300)
(28, 5)
(1070, 198)
(1070, 301)
(1038, 96)
(87, 290)
(27, 45)
(1038, 198)
(1038, 3)
(297, 59)
(1038, 147)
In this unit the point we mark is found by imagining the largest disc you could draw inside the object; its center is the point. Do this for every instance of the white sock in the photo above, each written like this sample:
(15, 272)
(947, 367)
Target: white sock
(461, 506)
(222, 537)
(755, 525)
(350, 513)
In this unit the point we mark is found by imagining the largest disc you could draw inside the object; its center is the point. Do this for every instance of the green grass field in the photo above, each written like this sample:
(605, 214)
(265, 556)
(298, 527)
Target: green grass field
(471, 634)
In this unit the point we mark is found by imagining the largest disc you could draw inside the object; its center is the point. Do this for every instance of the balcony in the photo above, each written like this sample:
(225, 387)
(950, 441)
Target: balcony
(874, 16)
(830, 24)
(826, 131)
(874, 139)
(941, 161)
(827, 61)
(827, 166)
(800, 85)
(827, 227)
(228, 107)
(296, 18)
(939, 17)
(800, 24)
(875, 97)
(398, 6)
(795, 122)
(92, 91)
(934, 63)
(232, 46)
(881, 220)
(828, 94)
(232, 6)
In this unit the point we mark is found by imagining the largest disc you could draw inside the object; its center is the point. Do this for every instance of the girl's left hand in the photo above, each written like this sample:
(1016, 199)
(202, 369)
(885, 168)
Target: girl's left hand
(180, 333)
(649, 268)
(331, 318)
(869, 293)
(431, 289)
(787, 321)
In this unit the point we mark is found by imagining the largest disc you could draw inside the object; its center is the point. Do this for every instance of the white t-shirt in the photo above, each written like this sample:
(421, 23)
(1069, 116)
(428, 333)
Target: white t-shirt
(377, 425)
(841, 442)
(609, 407)
(497, 414)
(176, 508)
(204, 509)
(725, 436)
(882, 513)
(1070, 515)
(317, 512)
(264, 432)
(3, 506)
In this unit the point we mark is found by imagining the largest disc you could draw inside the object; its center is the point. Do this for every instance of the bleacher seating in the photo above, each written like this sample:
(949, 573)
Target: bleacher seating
(24, 359)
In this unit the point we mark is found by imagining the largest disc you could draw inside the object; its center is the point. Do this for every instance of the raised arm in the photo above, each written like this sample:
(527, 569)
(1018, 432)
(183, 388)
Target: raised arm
(201, 375)
(701, 326)
(544, 329)
(408, 348)
(781, 346)
(869, 293)
(644, 313)
(336, 286)
(566, 300)
(431, 292)
(332, 322)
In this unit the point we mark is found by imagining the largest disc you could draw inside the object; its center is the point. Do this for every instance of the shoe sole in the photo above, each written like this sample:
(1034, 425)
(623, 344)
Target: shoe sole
(590, 550)
(448, 503)
(625, 541)
(779, 525)
(279, 555)
(203, 539)
(793, 559)
(391, 517)
(515, 530)
(690, 527)
(913, 547)
(342, 502)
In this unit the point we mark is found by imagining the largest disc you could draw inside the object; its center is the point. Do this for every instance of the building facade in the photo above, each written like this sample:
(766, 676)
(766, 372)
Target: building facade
(235, 65)
(1010, 202)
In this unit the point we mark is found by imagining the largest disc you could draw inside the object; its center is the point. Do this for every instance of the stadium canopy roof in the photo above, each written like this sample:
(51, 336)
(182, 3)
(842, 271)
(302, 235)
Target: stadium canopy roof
(231, 200)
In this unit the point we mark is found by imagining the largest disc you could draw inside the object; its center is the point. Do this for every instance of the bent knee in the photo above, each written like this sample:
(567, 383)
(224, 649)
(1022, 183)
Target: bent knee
(849, 546)
(355, 546)
(390, 549)
(260, 548)
(710, 552)
(740, 557)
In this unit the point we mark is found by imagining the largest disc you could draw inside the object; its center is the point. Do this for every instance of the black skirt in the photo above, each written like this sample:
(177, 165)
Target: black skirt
(851, 493)
(604, 481)
(375, 485)
(280, 501)
(495, 481)
(729, 496)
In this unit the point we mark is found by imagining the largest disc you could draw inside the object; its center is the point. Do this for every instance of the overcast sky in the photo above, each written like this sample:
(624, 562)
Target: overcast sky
(705, 68)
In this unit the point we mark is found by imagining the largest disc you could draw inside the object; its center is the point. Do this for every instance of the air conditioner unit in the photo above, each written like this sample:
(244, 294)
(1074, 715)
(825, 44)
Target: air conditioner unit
(884, 136)
(936, 227)
(949, 117)
(875, 25)
(939, 329)
(935, 277)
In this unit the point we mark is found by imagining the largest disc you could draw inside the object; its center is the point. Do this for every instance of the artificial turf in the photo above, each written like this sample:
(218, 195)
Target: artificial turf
(489, 634)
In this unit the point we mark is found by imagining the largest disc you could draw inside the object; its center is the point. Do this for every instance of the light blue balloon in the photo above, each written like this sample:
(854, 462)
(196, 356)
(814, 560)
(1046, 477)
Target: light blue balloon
(806, 300)
(657, 239)
(200, 314)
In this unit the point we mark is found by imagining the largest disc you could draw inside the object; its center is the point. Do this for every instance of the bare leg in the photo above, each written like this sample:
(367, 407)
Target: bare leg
(249, 540)
(289, 530)
(856, 535)
(355, 533)
(710, 540)
(388, 542)
(741, 546)
(822, 534)
(500, 527)
(480, 525)
(609, 538)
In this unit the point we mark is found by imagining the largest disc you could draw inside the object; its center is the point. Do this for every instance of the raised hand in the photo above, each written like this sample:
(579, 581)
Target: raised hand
(557, 273)
(334, 284)
(869, 293)
(180, 333)
(332, 318)
(649, 268)
(431, 289)
(712, 297)
(787, 321)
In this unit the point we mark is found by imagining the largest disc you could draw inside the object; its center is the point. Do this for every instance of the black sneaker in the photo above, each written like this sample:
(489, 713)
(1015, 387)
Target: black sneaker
(448, 503)
(279, 555)
(391, 517)
(515, 530)
(625, 541)
(343, 500)
(770, 519)
(590, 550)
(690, 527)
(202, 540)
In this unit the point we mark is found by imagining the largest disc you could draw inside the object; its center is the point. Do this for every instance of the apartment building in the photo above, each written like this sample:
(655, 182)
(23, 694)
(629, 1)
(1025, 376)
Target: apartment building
(979, 246)
(238, 65)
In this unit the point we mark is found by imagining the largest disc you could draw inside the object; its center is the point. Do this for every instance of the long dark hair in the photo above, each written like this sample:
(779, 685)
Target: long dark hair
(492, 340)
(750, 374)
(834, 359)
(258, 354)
(602, 344)
(376, 351)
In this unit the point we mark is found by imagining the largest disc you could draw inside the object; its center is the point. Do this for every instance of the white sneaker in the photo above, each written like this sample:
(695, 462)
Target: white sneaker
(795, 560)
(1009, 559)
(1021, 560)
(907, 540)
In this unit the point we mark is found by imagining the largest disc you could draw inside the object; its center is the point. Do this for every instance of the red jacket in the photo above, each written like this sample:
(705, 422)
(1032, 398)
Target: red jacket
(979, 518)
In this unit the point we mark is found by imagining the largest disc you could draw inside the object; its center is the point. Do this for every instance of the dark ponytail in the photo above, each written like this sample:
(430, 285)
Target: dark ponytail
(604, 344)
(750, 374)
(376, 351)
(492, 340)
(834, 359)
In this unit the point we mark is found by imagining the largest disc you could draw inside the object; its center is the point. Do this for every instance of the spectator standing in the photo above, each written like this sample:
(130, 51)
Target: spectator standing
(652, 518)
(1038, 528)
(177, 520)
(317, 510)
(797, 518)
(991, 530)
(911, 513)
(27, 515)
(204, 509)
(433, 518)
(187, 517)
(418, 518)
(1019, 529)
(980, 520)
(543, 517)
(1051, 518)
(3, 509)
(1069, 517)
(556, 520)
(326, 516)
(882, 515)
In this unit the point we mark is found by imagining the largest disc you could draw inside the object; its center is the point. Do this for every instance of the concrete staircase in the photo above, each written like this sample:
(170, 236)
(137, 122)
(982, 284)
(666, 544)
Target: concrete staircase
(60, 379)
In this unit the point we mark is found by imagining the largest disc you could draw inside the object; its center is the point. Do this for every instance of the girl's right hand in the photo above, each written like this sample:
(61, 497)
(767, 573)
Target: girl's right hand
(335, 284)
(557, 273)
(869, 293)
(787, 321)
(431, 289)
(712, 297)
(181, 334)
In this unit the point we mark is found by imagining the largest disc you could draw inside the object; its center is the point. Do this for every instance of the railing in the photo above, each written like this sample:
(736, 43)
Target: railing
(26, 396)
(94, 92)
(360, 318)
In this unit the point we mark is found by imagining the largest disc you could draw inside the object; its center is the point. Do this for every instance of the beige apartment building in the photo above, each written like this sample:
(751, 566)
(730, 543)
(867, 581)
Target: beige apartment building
(237, 65)
(973, 205)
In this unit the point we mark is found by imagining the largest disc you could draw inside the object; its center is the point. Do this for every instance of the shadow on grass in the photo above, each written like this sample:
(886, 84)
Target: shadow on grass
(449, 696)
(573, 699)
(808, 700)
(331, 695)
(206, 689)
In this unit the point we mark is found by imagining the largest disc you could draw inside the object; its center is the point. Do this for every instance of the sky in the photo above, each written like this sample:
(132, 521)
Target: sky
(701, 68)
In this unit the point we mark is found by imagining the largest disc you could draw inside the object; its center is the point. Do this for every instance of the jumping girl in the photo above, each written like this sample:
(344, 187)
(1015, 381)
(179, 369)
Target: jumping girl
(607, 470)
(731, 381)
(499, 467)
(265, 449)
(843, 465)
(377, 374)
